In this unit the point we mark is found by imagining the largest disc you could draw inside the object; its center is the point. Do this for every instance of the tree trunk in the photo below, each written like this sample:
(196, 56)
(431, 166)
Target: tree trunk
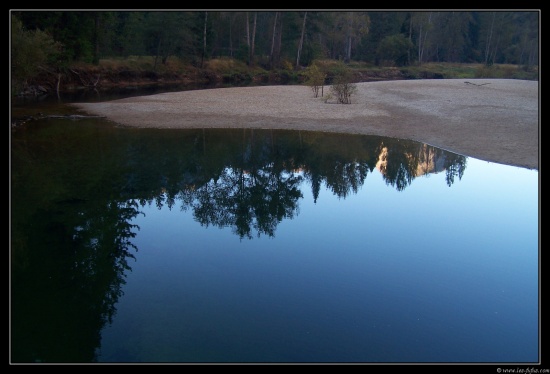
(494, 55)
(273, 39)
(278, 46)
(488, 41)
(204, 39)
(230, 37)
(58, 83)
(248, 34)
(96, 39)
(347, 59)
(422, 41)
(301, 42)
(251, 58)
(157, 56)
(410, 40)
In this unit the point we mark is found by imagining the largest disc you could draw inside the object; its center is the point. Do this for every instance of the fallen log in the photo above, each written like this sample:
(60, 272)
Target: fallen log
(71, 116)
(15, 122)
(473, 84)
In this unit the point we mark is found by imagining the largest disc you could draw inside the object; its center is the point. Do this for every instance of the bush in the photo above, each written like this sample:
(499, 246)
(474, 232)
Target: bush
(315, 78)
(31, 51)
(343, 86)
(287, 65)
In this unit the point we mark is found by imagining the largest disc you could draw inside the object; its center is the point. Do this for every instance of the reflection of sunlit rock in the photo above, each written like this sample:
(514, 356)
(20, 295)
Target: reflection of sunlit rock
(428, 161)
(382, 163)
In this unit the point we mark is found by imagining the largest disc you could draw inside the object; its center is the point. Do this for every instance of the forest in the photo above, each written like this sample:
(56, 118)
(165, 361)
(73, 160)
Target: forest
(292, 40)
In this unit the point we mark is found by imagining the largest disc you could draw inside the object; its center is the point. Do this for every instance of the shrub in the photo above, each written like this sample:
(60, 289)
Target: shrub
(287, 65)
(31, 52)
(343, 87)
(315, 78)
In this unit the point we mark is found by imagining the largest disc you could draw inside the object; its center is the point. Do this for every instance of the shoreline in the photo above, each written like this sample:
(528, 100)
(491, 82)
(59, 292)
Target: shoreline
(494, 120)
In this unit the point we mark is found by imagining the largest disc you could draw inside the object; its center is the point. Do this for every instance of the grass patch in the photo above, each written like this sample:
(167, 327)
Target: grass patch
(147, 63)
(464, 71)
(228, 68)
(506, 72)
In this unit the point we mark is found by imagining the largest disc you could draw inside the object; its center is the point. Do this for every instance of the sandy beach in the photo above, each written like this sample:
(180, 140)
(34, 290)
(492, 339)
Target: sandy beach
(494, 120)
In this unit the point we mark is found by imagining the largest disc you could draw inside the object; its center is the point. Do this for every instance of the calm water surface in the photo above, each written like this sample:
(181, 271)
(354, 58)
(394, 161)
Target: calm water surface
(142, 245)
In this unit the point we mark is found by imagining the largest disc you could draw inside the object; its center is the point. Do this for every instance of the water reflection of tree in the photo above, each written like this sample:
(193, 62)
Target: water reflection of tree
(455, 165)
(84, 262)
(255, 191)
(401, 161)
(243, 201)
(341, 162)
(77, 189)
(71, 242)
(247, 179)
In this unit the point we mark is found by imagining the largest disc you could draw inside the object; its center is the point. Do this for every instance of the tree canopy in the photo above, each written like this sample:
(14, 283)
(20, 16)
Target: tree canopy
(259, 37)
(50, 40)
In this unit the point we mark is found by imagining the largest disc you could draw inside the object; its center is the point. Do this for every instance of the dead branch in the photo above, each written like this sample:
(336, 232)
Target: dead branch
(86, 84)
(473, 84)
(47, 70)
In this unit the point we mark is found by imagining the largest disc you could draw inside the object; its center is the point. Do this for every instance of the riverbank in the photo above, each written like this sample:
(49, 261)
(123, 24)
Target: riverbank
(495, 120)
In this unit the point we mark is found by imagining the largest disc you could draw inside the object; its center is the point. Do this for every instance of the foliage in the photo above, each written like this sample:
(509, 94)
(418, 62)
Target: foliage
(401, 38)
(343, 87)
(393, 50)
(234, 70)
(504, 71)
(335, 68)
(145, 63)
(226, 66)
(315, 78)
(453, 36)
(464, 71)
(30, 51)
(287, 65)
(311, 52)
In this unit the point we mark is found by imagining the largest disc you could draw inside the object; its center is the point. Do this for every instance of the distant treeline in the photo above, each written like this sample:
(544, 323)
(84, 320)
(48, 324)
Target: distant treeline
(283, 39)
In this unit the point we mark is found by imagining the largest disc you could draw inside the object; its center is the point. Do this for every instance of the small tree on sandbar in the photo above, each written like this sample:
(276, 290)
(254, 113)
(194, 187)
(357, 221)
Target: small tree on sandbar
(343, 87)
(315, 78)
